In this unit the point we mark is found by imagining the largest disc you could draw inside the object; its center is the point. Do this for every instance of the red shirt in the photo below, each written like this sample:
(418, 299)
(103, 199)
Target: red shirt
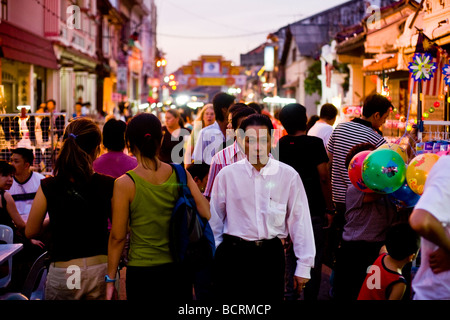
(379, 281)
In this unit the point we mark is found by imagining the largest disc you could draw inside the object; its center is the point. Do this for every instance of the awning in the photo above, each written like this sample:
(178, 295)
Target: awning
(21, 45)
(387, 65)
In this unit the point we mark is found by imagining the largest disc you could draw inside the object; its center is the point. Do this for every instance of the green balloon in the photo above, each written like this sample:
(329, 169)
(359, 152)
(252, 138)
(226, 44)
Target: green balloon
(384, 171)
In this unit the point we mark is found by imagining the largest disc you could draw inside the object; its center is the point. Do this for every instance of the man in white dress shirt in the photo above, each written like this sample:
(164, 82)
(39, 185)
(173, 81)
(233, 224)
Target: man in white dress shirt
(255, 203)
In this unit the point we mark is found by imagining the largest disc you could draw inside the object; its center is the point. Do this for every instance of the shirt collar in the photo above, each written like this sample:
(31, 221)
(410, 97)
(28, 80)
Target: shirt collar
(264, 172)
(363, 122)
(236, 148)
(367, 124)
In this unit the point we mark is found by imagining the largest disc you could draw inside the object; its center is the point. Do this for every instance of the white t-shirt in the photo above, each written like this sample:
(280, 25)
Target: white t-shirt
(435, 200)
(210, 141)
(23, 193)
(321, 130)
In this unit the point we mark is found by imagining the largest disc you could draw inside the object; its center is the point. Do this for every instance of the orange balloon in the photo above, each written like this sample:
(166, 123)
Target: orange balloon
(418, 169)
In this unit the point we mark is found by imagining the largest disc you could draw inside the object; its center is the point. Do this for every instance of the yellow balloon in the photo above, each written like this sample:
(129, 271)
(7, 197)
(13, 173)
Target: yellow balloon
(418, 169)
(395, 147)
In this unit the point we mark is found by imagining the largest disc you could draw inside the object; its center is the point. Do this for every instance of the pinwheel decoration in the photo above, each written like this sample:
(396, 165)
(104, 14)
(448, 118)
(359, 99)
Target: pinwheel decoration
(422, 67)
(446, 72)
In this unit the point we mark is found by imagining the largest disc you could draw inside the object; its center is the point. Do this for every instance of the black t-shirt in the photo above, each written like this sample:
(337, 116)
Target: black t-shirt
(5, 218)
(78, 216)
(304, 153)
(169, 142)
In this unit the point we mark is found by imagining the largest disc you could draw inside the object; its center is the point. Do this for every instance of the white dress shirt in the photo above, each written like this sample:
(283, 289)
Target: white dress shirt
(261, 205)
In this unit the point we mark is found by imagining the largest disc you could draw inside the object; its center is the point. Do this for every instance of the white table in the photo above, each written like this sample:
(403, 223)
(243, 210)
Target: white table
(8, 250)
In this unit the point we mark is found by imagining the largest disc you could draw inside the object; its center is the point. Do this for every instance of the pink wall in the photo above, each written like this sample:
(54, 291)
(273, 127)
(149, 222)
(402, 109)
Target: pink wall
(27, 14)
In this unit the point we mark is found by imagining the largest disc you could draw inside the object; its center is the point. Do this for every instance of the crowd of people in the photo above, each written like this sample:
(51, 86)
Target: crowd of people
(276, 193)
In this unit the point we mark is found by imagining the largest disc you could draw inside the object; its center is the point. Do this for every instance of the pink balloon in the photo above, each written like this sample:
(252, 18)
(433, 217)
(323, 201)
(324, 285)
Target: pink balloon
(355, 171)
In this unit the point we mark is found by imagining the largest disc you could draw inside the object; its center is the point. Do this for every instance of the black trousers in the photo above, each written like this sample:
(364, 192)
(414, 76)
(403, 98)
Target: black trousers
(167, 282)
(249, 271)
(333, 235)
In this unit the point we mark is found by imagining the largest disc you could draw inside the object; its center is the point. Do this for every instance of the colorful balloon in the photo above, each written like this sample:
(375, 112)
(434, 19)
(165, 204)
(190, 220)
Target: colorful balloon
(355, 171)
(396, 148)
(384, 171)
(418, 170)
(404, 197)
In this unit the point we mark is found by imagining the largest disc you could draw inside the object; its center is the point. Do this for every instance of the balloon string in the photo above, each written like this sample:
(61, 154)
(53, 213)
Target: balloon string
(406, 124)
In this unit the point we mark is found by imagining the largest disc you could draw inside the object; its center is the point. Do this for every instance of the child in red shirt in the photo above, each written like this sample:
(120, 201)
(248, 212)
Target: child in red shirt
(384, 280)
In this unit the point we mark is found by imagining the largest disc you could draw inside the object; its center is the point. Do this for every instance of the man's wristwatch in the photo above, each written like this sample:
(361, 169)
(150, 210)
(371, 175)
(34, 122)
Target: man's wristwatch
(330, 211)
(108, 279)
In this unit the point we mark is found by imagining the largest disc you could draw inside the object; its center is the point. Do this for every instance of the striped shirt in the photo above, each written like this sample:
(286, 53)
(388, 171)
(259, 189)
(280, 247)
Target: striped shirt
(344, 137)
(24, 193)
(220, 160)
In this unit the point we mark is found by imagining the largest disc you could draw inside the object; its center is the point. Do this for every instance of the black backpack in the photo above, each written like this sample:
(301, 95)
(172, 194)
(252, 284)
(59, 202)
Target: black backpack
(191, 239)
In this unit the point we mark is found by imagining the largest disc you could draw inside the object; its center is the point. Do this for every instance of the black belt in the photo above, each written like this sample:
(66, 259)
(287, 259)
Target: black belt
(239, 241)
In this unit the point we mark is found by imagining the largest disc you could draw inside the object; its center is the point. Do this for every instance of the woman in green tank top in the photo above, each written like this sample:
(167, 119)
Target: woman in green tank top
(143, 199)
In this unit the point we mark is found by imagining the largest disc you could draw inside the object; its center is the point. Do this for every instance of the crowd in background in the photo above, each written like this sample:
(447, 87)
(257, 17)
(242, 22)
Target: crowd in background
(275, 190)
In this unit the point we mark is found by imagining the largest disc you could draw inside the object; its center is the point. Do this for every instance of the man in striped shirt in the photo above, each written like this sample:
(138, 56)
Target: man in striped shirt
(230, 154)
(346, 135)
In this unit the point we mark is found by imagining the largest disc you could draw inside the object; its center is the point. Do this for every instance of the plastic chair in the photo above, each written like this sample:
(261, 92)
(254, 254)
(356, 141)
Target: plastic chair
(6, 235)
(33, 287)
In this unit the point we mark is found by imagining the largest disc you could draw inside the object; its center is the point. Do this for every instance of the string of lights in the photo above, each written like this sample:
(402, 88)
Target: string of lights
(205, 18)
(178, 36)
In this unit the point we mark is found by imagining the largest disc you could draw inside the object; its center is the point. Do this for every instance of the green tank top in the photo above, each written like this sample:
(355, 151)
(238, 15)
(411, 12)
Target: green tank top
(150, 214)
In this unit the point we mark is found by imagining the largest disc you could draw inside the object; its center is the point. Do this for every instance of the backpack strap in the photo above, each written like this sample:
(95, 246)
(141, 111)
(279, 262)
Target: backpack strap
(181, 178)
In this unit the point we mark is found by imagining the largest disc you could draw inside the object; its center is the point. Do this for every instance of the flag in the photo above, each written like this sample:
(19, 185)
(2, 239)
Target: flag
(435, 85)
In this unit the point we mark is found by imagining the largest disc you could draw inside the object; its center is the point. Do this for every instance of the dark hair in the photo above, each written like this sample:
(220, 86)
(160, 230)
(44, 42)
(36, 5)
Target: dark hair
(176, 114)
(257, 120)
(401, 241)
(221, 101)
(6, 169)
(293, 117)
(82, 138)
(255, 106)
(357, 149)
(199, 170)
(114, 135)
(236, 106)
(311, 122)
(187, 113)
(328, 111)
(27, 154)
(375, 103)
(144, 134)
(239, 113)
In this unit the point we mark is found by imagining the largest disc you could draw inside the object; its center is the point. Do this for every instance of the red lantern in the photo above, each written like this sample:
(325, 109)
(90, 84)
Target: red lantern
(437, 104)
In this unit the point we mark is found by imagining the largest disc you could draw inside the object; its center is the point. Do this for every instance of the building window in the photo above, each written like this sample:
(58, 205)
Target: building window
(294, 54)
(4, 9)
